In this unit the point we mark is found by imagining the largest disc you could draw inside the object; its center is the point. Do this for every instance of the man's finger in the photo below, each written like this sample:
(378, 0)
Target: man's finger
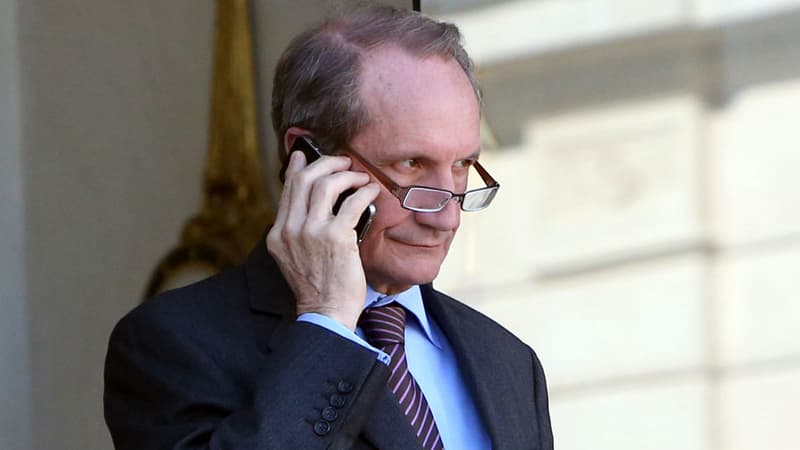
(355, 204)
(327, 190)
(302, 183)
(296, 163)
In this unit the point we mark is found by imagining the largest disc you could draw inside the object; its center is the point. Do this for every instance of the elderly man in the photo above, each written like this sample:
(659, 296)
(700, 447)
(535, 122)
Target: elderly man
(319, 340)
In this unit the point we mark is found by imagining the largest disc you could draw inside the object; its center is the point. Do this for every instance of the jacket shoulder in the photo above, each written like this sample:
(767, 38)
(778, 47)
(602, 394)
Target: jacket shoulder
(196, 299)
(455, 311)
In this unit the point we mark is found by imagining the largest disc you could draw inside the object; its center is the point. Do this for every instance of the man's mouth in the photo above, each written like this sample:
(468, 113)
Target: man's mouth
(420, 244)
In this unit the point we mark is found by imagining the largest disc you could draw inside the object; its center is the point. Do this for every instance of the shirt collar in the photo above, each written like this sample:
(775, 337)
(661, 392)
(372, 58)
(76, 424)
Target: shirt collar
(411, 300)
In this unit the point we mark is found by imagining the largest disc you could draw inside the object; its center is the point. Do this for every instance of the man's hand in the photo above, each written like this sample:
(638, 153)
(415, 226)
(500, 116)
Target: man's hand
(317, 251)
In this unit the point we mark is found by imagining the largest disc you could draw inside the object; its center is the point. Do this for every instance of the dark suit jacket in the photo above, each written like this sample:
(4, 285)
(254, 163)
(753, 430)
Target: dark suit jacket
(222, 364)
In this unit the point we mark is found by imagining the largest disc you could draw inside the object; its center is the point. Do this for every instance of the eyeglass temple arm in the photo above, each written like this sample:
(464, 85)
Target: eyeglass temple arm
(485, 175)
(395, 188)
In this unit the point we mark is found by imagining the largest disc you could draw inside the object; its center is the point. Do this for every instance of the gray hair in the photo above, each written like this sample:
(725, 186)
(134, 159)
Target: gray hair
(316, 83)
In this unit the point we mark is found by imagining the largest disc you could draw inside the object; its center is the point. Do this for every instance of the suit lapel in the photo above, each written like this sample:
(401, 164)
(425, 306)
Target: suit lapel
(486, 371)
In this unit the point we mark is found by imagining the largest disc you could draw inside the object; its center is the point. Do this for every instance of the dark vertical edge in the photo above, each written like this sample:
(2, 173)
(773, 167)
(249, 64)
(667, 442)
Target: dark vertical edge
(416, 5)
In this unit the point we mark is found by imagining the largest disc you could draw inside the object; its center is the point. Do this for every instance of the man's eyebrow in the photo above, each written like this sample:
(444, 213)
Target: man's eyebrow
(475, 155)
(421, 154)
(472, 156)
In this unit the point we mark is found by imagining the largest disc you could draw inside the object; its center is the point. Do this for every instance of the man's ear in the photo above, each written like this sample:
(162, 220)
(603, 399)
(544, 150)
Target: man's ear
(288, 141)
(289, 137)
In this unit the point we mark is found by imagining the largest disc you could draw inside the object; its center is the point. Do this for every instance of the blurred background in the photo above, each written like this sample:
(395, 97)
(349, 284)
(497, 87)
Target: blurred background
(646, 237)
(645, 241)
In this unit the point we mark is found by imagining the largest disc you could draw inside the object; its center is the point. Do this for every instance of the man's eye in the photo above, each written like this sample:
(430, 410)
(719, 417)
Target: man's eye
(408, 164)
(465, 163)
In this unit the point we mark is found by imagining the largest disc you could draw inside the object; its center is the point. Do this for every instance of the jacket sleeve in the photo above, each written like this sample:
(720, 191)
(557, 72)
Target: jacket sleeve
(165, 391)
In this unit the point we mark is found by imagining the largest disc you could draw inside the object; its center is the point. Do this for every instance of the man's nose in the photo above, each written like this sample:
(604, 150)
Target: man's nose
(450, 216)
(447, 219)
(442, 178)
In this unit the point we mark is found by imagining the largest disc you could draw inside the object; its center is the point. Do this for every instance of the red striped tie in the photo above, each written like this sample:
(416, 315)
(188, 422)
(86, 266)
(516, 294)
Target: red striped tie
(384, 327)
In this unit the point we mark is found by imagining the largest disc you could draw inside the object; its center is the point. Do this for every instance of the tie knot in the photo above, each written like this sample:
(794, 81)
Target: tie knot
(384, 325)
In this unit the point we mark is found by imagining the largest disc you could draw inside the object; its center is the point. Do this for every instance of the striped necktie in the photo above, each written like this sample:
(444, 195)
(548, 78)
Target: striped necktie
(384, 327)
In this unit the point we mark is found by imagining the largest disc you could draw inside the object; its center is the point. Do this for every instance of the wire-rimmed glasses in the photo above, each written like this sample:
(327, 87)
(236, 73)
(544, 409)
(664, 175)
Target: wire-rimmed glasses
(430, 199)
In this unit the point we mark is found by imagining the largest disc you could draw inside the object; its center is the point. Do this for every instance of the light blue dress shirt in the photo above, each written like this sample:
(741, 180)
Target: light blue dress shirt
(432, 363)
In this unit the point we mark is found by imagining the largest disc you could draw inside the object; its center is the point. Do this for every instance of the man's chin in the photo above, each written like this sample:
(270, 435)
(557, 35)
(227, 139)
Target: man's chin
(399, 278)
(400, 265)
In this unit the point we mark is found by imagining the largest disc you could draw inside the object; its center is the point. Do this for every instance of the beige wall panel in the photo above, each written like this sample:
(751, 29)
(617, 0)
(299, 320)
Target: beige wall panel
(643, 416)
(716, 11)
(759, 305)
(615, 182)
(760, 410)
(757, 157)
(515, 29)
(493, 247)
(625, 322)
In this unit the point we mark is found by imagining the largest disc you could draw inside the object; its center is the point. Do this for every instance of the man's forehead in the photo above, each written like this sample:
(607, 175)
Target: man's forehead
(418, 108)
(391, 70)
(393, 81)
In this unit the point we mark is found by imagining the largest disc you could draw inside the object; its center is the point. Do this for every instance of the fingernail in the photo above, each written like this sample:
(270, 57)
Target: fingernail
(294, 157)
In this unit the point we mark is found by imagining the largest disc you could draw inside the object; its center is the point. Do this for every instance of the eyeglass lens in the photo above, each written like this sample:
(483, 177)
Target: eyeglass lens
(420, 198)
(478, 199)
(425, 199)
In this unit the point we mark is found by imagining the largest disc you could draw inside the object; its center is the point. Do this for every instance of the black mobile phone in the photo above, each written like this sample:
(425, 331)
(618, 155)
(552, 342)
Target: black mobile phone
(306, 145)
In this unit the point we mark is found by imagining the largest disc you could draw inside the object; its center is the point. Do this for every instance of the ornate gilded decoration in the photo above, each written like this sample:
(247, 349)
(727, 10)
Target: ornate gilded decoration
(236, 208)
